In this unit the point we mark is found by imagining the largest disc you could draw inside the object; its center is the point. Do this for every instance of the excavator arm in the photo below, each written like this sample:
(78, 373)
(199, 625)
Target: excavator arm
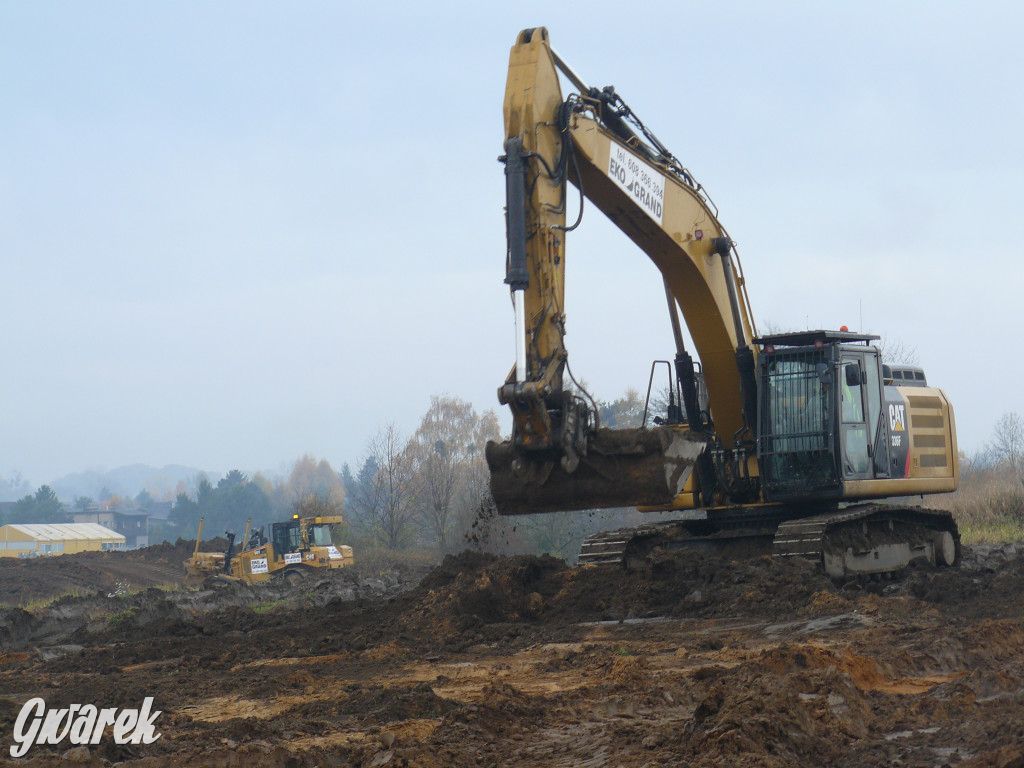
(559, 458)
(798, 430)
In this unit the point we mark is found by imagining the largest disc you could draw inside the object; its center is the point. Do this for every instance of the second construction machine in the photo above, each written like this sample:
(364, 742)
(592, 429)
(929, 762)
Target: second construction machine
(295, 549)
(803, 439)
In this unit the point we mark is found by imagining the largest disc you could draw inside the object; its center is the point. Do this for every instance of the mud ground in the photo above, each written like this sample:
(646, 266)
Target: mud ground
(26, 581)
(524, 661)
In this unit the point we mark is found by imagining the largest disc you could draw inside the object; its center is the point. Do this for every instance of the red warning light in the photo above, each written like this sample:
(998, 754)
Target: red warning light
(699, 234)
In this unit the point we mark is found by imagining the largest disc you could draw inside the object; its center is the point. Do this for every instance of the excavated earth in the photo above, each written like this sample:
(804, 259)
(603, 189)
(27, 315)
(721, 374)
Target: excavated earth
(690, 660)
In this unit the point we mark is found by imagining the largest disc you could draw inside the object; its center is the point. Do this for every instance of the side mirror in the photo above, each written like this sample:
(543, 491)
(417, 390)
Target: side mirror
(854, 375)
(824, 374)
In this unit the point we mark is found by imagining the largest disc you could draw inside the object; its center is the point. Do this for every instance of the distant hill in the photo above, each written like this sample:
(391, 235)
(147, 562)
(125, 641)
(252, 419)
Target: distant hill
(127, 481)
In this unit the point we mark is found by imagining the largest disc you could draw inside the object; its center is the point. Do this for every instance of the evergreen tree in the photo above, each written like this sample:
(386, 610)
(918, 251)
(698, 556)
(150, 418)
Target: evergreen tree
(43, 507)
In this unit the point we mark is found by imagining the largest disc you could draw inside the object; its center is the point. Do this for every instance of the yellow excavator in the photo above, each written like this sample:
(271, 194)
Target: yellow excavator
(294, 550)
(803, 440)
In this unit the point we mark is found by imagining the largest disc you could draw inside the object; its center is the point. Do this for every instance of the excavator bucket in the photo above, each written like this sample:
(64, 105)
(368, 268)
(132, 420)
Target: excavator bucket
(621, 468)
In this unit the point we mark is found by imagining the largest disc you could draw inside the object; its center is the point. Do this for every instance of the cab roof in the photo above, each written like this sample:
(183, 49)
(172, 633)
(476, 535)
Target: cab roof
(809, 338)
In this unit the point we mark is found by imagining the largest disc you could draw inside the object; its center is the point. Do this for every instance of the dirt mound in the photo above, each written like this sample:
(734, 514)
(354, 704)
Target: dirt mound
(690, 584)
(801, 712)
(987, 574)
(24, 582)
(473, 587)
(136, 618)
(690, 659)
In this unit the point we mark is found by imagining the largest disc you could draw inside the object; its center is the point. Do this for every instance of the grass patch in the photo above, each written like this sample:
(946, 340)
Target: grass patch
(37, 603)
(122, 618)
(991, 530)
(988, 506)
(172, 586)
(270, 606)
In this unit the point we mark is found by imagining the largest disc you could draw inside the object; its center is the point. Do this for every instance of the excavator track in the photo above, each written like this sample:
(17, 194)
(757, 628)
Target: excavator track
(868, 539)
(733, 529)
(859, 540)
(610, 547)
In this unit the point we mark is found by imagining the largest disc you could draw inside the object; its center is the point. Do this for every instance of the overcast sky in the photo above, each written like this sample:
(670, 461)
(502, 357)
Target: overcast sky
(234, 233)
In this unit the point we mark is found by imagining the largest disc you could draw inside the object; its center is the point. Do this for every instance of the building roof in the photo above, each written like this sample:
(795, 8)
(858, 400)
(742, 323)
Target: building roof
(65, 531)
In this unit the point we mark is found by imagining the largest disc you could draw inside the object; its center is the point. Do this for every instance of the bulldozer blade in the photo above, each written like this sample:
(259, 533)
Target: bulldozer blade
(194, 579)
(621, 468)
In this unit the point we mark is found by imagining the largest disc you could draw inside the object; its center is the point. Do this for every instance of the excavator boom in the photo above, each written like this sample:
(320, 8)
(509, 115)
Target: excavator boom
(559, 458)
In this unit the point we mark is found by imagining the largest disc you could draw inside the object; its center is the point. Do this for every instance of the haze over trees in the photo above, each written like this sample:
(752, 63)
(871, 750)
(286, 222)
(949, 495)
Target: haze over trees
(42, 506)
(425, 488)
(419, 491)
(428, 491)
(13, 486)
(224, 507)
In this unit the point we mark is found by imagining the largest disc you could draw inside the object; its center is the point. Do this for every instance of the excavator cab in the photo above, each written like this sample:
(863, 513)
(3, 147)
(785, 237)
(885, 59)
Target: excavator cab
(817, 410)
(804, 410)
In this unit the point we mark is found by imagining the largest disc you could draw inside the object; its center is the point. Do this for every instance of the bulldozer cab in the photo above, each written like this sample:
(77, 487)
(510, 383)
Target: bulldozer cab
(302, 534)
(286, 537)
(820, 413)
(319, 535)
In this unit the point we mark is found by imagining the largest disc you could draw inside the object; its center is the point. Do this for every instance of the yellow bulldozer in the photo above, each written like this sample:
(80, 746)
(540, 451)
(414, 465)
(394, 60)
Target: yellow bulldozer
(295, 549)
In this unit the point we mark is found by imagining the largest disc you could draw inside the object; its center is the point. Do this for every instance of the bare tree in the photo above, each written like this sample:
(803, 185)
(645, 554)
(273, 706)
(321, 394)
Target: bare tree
(1008, 441)
(554, 533)
(772, 328)
(391, 507)
(895, 351)
(312, 477)
(447, 451)
(318, 505)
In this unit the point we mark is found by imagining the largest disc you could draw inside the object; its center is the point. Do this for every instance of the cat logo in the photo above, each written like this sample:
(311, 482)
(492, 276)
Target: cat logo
(897, 418)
